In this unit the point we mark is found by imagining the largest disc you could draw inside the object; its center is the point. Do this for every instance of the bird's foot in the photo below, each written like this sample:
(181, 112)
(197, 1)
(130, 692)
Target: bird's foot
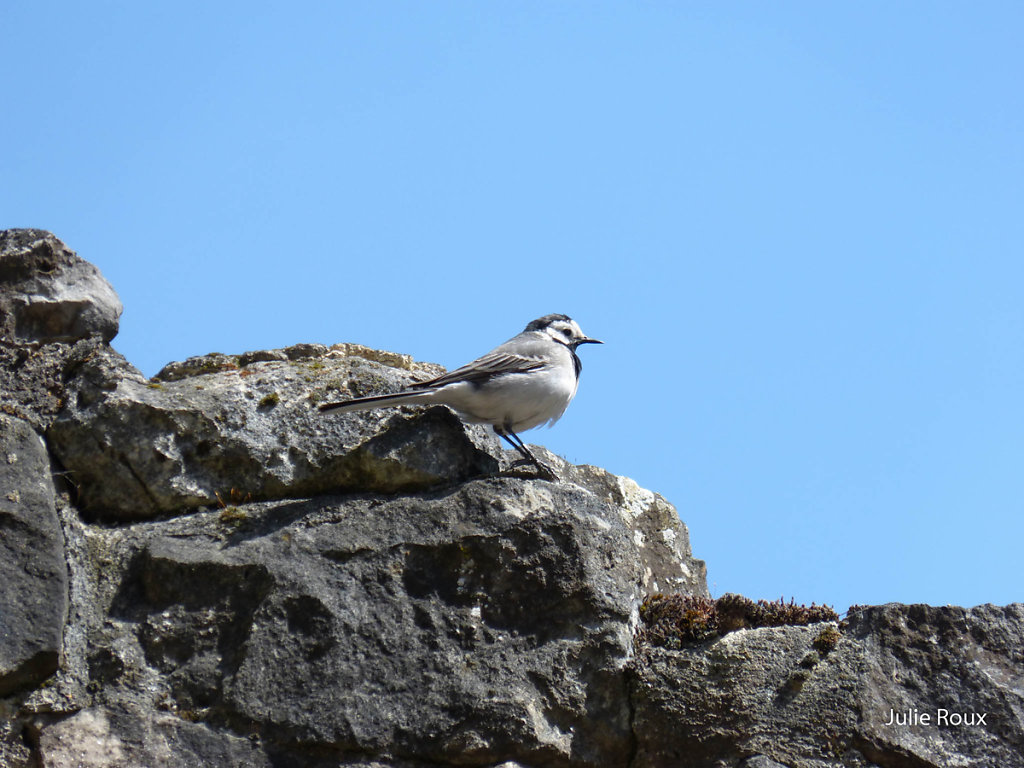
(543, 470)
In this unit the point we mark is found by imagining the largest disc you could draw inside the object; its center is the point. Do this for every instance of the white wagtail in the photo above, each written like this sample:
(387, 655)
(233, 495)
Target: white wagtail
(527, 381)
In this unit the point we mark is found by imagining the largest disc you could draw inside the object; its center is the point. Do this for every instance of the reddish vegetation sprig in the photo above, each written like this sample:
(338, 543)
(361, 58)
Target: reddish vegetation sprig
(672, 620)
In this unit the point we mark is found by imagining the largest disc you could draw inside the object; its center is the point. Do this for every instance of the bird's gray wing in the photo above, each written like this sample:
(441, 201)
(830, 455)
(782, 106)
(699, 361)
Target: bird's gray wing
(485, 368)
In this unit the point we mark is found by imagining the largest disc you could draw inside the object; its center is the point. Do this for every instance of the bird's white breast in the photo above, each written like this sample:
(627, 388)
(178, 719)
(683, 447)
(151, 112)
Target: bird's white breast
(517, 401)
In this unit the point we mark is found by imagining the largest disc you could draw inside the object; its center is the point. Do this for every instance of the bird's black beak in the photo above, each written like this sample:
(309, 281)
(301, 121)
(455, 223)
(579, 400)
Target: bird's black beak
(586, 340)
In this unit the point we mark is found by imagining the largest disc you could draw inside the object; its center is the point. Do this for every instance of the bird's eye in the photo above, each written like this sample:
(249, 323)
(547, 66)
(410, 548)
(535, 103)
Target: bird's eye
(567, 332)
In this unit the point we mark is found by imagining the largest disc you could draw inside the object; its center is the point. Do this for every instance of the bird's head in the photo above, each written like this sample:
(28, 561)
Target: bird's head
(563, 329)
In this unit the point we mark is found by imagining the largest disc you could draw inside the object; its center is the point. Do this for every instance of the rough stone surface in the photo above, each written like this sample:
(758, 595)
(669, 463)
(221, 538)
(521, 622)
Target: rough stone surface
(33, 378)
(226, 577)
(108, 738)
(769, 692)
(760, 761)
(55, 310)
(222, 429)
(483, 623)
(15, 751)
(47, 293)
(33, 571)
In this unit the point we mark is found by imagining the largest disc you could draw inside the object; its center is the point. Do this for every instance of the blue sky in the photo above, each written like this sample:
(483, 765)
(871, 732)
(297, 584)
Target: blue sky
(799, 228)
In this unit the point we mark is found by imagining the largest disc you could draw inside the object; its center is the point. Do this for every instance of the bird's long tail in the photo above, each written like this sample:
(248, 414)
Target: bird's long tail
(378, 401)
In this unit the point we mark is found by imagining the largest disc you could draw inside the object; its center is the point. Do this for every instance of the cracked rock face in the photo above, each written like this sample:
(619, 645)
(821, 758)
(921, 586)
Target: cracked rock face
(223, 576)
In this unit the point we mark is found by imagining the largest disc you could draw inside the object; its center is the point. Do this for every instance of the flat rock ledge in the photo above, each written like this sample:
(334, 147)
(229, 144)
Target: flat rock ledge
(219, 429)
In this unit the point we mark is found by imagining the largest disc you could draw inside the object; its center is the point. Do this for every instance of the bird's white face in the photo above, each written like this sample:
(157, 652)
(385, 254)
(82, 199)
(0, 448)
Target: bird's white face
(568, 332)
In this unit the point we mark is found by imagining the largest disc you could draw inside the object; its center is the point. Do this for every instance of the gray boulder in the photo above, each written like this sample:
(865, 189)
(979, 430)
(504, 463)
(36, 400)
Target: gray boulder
(490, 621)
(33, 570)
(909, 685)
(55, 310)
(47, 293)
(220, 429)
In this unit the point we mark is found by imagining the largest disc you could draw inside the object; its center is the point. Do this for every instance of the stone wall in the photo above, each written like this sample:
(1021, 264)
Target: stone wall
(202, 570)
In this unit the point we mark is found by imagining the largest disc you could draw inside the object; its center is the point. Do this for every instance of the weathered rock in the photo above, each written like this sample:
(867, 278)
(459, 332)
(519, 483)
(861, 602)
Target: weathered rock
(47, 293)
(33, 571)
(770, 692)
(663, 541)
(485, 623)
(368, 591)
(14, 748)
(222, 429)
(105, 738)
(760, 761)
(33, 376)
(55, 309)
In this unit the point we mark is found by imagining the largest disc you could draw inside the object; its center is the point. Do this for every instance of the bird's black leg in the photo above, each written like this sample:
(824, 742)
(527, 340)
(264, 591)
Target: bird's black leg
(516, 442)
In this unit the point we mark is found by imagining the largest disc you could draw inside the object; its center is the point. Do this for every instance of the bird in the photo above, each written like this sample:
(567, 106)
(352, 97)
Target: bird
(521, 384)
